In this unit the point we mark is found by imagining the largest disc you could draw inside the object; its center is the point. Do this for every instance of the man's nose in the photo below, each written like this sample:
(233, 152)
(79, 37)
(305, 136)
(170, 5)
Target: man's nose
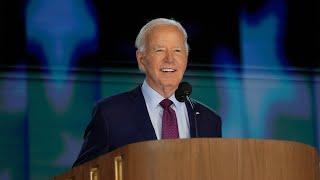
(169, 57)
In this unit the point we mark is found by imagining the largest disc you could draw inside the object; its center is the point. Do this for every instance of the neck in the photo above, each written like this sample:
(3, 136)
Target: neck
(166, 92)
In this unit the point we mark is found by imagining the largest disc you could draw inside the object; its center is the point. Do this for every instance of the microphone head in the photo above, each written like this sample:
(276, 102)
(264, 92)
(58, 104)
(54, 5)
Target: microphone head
(183, 91)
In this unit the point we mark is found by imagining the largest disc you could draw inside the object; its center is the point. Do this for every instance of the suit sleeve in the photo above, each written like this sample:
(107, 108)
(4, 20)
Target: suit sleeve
(95, 138)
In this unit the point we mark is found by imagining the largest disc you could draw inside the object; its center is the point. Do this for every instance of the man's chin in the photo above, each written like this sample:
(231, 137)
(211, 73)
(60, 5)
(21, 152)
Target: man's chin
(170, 85)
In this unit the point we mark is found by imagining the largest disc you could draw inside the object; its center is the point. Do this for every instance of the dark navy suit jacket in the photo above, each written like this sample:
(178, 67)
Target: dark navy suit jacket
(123, 119)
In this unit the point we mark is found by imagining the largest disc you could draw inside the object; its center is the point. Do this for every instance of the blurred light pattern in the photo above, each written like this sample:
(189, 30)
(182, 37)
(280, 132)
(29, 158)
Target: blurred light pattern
(316, 108)
(13, 92)
(43, 114)
(261, 43)
(4, 175)
(59, 27)
(70, 151)
(232, 105)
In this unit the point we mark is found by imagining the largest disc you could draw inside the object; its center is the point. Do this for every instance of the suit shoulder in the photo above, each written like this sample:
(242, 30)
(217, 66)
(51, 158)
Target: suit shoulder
(204, 108)
(111, 99)
(119, 99)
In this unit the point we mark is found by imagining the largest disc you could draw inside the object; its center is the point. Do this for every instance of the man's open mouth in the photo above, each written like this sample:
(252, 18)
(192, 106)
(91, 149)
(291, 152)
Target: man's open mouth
(167, 70)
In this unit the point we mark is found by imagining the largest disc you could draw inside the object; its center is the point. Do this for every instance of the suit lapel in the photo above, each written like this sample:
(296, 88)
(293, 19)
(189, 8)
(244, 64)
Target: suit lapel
(141, 115)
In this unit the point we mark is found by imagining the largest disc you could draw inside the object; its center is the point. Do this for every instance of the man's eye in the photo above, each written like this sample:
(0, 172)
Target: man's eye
(159, 50)
(177, 50)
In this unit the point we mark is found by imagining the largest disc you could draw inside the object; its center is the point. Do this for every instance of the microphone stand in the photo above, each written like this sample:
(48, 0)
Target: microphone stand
(194, 116)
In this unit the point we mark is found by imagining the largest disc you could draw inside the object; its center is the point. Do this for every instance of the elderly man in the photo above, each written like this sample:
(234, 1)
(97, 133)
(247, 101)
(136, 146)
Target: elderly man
(150, 111)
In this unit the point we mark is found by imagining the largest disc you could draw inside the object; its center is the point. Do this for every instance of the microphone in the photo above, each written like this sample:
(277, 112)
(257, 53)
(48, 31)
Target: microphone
(184, 90)
(182, 94)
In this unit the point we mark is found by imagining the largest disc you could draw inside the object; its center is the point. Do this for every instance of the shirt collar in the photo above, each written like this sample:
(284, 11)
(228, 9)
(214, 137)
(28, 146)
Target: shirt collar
(153, 98)
(175, 101)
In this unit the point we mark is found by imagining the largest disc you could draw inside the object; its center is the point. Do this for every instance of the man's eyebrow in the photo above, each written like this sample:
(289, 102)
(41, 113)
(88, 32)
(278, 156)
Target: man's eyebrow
(157, 47)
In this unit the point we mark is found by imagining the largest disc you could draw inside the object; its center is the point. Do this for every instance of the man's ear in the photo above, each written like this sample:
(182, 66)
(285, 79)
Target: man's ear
(140, 59)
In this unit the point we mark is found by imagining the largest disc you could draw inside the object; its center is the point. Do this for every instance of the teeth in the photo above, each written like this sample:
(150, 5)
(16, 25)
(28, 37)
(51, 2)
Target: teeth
(167, 70)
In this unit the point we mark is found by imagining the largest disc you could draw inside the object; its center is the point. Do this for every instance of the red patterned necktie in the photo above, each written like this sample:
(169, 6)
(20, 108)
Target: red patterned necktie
(169, 121)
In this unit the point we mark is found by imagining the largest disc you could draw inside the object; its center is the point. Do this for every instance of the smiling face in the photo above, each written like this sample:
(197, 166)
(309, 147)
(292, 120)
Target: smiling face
(164, 59)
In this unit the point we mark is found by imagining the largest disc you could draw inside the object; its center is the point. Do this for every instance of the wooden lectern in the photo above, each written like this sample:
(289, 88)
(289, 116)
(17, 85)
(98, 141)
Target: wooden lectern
(203, 159)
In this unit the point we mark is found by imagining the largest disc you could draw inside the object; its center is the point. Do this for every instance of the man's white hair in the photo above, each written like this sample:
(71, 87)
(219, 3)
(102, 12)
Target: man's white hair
(140, 40)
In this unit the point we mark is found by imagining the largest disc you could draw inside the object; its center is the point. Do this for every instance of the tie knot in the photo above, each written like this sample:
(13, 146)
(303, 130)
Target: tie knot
(166, 103)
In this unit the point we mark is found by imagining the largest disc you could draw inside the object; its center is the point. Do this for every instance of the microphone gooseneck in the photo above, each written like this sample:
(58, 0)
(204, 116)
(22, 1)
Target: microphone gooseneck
(182, 94)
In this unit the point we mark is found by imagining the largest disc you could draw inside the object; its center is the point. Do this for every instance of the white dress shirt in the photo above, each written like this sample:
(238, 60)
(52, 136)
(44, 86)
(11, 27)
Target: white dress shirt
(153, 98)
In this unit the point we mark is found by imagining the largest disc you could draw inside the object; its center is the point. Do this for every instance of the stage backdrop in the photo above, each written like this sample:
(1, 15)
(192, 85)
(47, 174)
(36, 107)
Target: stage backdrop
(254, 63)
